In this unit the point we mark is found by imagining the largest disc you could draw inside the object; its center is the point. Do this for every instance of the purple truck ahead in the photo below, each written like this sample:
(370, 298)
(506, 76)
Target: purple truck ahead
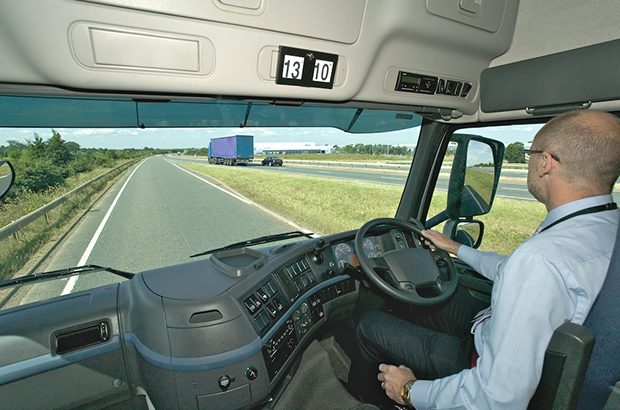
(233, 150)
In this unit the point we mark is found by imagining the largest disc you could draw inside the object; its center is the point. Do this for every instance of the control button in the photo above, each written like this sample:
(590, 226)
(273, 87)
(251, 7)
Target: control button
(441, 89)
(278, 303)
(262, 294)
(304, 308)
(450, 86)
(428, 85)
(255, 300)
(338, 288)
(262, 320)
(250, 305)
(271, 288)
(225, 381)
(457, 89)
(251, 373)
(272, 310)
(466, 88)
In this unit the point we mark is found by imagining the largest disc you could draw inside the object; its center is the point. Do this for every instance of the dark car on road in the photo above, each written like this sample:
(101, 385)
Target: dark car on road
(272, 161)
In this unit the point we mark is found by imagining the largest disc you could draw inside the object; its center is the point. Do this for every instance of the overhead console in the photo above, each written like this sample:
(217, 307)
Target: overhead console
(350, 50)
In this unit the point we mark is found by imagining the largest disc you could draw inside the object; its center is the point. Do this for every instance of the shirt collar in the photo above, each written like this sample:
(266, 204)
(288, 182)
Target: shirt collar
(574, 206)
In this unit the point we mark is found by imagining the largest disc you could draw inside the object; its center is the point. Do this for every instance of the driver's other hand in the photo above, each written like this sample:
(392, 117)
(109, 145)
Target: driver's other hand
(393, 379)
(438, 240)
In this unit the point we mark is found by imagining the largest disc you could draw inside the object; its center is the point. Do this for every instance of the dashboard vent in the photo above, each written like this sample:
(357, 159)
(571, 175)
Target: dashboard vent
(66, 341)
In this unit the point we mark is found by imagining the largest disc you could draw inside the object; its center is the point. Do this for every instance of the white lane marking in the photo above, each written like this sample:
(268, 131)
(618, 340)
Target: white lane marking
(392, 178)
(212, 184)
(324, 172)
(91, 245)
(514, 189)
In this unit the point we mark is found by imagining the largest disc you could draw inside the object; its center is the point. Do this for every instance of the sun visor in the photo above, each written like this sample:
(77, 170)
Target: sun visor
(544, 82)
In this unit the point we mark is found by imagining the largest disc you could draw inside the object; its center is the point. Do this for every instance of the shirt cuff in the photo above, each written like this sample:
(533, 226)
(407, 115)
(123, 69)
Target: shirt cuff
(419, 394)
(467, 254)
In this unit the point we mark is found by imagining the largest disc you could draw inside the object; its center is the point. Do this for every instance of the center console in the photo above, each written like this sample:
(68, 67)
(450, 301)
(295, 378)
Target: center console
(287, 305)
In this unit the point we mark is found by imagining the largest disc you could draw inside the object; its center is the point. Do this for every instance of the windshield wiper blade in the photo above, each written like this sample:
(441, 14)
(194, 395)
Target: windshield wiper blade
(63, 272)
(258, 241)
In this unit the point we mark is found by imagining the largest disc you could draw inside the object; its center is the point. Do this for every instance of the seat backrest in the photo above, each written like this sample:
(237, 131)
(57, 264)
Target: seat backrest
(564, 368)
(604, 322)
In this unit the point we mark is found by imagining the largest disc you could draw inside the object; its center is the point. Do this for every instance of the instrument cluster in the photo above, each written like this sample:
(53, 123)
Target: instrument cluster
(344, 252)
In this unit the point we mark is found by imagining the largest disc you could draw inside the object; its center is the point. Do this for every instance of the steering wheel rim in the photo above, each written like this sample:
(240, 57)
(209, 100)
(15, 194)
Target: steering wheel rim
(423, 270)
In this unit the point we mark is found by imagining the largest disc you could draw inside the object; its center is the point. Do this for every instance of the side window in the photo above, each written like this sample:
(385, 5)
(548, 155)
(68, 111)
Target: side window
(514, 213)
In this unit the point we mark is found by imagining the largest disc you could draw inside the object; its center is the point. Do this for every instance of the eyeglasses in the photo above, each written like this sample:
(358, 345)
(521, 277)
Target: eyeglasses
(532, 151)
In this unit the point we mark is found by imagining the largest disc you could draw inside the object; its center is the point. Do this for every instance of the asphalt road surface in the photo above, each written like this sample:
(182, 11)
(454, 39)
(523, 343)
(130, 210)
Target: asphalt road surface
(157, 215)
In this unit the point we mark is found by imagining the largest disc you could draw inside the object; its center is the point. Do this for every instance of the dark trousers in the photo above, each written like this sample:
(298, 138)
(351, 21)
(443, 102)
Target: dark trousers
(436, 345)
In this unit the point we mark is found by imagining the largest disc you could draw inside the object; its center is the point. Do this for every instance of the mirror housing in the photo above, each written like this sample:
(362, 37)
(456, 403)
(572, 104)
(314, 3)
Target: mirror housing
(7, 177)
(466, 232)
(474, 177)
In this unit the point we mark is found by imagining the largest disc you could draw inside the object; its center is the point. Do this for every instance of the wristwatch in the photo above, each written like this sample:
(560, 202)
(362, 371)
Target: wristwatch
(405, 393)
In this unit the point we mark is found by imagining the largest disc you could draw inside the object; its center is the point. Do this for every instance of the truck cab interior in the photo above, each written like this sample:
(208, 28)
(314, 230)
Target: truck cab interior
(273, 328)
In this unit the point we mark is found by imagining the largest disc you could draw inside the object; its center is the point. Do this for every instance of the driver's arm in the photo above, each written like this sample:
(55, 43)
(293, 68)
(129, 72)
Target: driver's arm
(485, 263)
(531, 301)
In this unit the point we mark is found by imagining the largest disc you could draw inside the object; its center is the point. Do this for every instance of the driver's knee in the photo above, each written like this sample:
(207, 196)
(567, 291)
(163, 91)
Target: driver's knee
(370, 332)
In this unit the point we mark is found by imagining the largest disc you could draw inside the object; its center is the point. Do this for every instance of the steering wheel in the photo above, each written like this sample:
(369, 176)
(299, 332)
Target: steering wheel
(409, 271)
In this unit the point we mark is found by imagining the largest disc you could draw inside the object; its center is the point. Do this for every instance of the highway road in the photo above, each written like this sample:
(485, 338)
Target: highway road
(508, 190)
(156, 215)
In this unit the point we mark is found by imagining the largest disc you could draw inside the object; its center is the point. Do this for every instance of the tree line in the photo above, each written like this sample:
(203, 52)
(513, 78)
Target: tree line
(42, 164)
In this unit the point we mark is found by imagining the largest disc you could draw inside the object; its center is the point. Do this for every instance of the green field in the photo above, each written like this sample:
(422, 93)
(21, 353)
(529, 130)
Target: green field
(327, 206)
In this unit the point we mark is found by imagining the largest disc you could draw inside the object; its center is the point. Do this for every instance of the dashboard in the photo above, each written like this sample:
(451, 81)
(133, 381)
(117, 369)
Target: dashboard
(221, 332)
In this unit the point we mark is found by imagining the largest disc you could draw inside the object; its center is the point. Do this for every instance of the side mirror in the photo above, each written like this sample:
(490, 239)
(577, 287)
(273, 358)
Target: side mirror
(7, 177)
(474, 177)
(466, 232)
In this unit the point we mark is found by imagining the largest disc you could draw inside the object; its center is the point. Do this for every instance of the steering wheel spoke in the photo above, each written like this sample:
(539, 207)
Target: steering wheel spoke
(410, 275)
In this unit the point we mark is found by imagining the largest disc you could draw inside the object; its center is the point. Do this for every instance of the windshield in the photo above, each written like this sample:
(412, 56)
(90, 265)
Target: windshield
(136, 199)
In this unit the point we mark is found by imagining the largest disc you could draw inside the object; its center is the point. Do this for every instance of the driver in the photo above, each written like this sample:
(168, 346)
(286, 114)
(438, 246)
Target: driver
(553, 277)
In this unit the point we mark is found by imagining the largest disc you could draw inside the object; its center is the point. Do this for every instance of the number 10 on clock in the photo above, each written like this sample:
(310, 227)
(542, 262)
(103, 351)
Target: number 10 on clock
(322, 71)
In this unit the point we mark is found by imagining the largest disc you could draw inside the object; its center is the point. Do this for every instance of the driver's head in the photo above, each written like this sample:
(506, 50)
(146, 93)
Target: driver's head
(580, 153)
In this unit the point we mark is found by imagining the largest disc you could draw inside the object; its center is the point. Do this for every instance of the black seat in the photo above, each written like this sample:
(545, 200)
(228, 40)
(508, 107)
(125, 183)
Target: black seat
(582, 363)
(604, 322)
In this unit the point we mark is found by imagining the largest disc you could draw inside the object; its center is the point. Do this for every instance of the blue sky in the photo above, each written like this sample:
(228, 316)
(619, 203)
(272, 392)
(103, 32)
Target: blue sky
(199, 137)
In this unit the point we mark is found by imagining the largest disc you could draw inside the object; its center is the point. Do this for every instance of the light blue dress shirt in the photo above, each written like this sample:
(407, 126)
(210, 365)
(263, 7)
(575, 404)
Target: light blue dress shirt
(551, 278)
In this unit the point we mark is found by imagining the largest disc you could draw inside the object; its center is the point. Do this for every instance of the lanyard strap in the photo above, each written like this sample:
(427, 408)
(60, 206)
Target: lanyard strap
(594, 209)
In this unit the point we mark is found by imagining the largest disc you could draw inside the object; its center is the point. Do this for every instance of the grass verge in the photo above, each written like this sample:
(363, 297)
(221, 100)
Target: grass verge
(327, 205)
(16, 251)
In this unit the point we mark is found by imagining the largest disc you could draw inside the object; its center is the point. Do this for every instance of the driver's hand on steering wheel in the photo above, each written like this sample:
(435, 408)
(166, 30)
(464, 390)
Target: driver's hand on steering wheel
(438, 240)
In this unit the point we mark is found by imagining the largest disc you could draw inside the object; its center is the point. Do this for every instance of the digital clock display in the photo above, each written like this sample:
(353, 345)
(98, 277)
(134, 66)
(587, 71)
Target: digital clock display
(410, 79)
(416, 83)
